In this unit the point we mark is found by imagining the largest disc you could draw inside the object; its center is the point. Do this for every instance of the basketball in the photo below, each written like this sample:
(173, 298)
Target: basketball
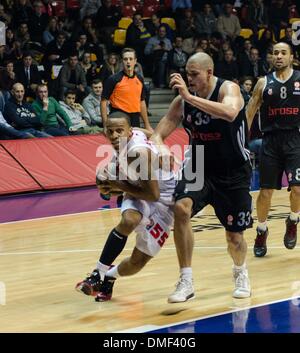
(103, 176)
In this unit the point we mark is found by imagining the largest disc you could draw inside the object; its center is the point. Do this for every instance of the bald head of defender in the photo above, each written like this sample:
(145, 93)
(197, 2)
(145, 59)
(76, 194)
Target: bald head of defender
(199, 70)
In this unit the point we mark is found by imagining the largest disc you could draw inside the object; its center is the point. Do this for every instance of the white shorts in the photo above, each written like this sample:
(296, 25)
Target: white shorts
(155, 225)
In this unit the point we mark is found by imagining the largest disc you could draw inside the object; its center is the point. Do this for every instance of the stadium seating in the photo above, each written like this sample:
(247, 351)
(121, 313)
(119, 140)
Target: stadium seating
(59, 8)
(170, 21)
(246, 33)
(124, 22)
(120, 37)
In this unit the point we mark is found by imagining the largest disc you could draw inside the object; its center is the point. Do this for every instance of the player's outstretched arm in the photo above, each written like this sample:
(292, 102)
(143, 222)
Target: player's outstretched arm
(169, 122)
(255, 101)
(229, 105)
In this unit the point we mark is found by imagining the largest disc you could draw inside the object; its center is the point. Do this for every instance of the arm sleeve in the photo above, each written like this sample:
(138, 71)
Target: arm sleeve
(89, 108)
(40, 112)
(63, 79)
(108, 88)
(62, 113)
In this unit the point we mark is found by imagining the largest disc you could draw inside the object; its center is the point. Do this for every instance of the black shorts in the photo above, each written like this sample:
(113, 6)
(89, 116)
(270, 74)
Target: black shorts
(228, 194)
(280, 153)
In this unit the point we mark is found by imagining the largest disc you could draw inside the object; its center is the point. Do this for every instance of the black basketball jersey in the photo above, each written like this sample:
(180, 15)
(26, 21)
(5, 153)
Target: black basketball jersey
(224, 142)
(281, 103)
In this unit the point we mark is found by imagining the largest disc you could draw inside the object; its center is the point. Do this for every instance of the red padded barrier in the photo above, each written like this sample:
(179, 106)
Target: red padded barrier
(13, 178)
(60, 162)
(56, 163)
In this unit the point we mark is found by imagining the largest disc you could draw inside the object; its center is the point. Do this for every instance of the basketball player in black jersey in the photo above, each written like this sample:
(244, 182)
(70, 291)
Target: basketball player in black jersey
(212, 113)
(278, 95)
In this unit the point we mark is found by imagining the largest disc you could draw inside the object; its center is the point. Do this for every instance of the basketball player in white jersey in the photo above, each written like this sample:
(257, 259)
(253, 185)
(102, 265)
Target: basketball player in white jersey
(146, 208)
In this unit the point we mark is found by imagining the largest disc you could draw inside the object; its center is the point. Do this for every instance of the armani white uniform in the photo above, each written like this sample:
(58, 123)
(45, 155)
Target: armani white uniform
(157, 219)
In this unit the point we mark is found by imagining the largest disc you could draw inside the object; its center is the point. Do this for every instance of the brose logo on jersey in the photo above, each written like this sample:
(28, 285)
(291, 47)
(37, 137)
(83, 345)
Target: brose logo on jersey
(283, 111)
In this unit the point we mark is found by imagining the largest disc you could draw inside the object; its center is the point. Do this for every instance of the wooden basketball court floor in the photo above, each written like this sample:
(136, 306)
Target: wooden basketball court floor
(41, 260)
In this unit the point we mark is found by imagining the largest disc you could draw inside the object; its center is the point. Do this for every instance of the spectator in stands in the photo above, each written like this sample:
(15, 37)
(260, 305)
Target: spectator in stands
(57, 50)
(22, 35)
(137, 36)
(187, 25)
(254, 66)
(205, 21)
(154, 24)
(267, 63)
(78, 116)
(3, 56)
(125, 91)
(189, 45)
(9, 39)
(82, 46)
(72, 76)
(244, 54)
(288, 38)
(279, 16)
(89, 8)
(91, 103)
(228, 24)
(215, 41)
(257, 16)
(8, 132)
(87, 28)
(38, 21)
(204, 46)
(4, 16)
(110, 67)
(157, 50)
(179, 6)
(177, 58)
(21, 115)
(28, 74)
(49, 111)
(228, 68)
(21, 12)
(90, 68)
(246, 85)
(16, 52)
(107, 19)
(7, 77)
(266, 41)
(51, 31)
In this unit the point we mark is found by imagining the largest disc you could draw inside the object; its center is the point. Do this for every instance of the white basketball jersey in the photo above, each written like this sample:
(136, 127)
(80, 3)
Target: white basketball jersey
(166, 179)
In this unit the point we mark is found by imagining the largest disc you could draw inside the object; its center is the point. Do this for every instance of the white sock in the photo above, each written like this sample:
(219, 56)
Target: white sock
(262, 226)
(102, 269)
(113, 272)
(186, 273)
(243, 267)
(294, 216)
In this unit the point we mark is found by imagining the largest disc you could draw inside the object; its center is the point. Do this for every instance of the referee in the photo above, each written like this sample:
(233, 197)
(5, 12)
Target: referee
(125, 92)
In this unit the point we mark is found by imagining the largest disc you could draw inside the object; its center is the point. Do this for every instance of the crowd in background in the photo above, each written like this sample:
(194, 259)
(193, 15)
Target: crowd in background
(54, 65)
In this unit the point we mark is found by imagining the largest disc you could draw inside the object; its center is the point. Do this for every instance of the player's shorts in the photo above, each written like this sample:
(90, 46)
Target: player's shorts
(154, 228)
(280, 153)
(228, 194)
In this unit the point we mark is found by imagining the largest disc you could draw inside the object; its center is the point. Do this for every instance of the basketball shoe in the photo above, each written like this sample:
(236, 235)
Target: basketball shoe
(242, 284)
(290, 236)
(106, 289)
(260, 245)
(90, 285)
(184, 291)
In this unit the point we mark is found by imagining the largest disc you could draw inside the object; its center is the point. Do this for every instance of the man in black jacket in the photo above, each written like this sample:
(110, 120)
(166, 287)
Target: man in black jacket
(28, 74)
